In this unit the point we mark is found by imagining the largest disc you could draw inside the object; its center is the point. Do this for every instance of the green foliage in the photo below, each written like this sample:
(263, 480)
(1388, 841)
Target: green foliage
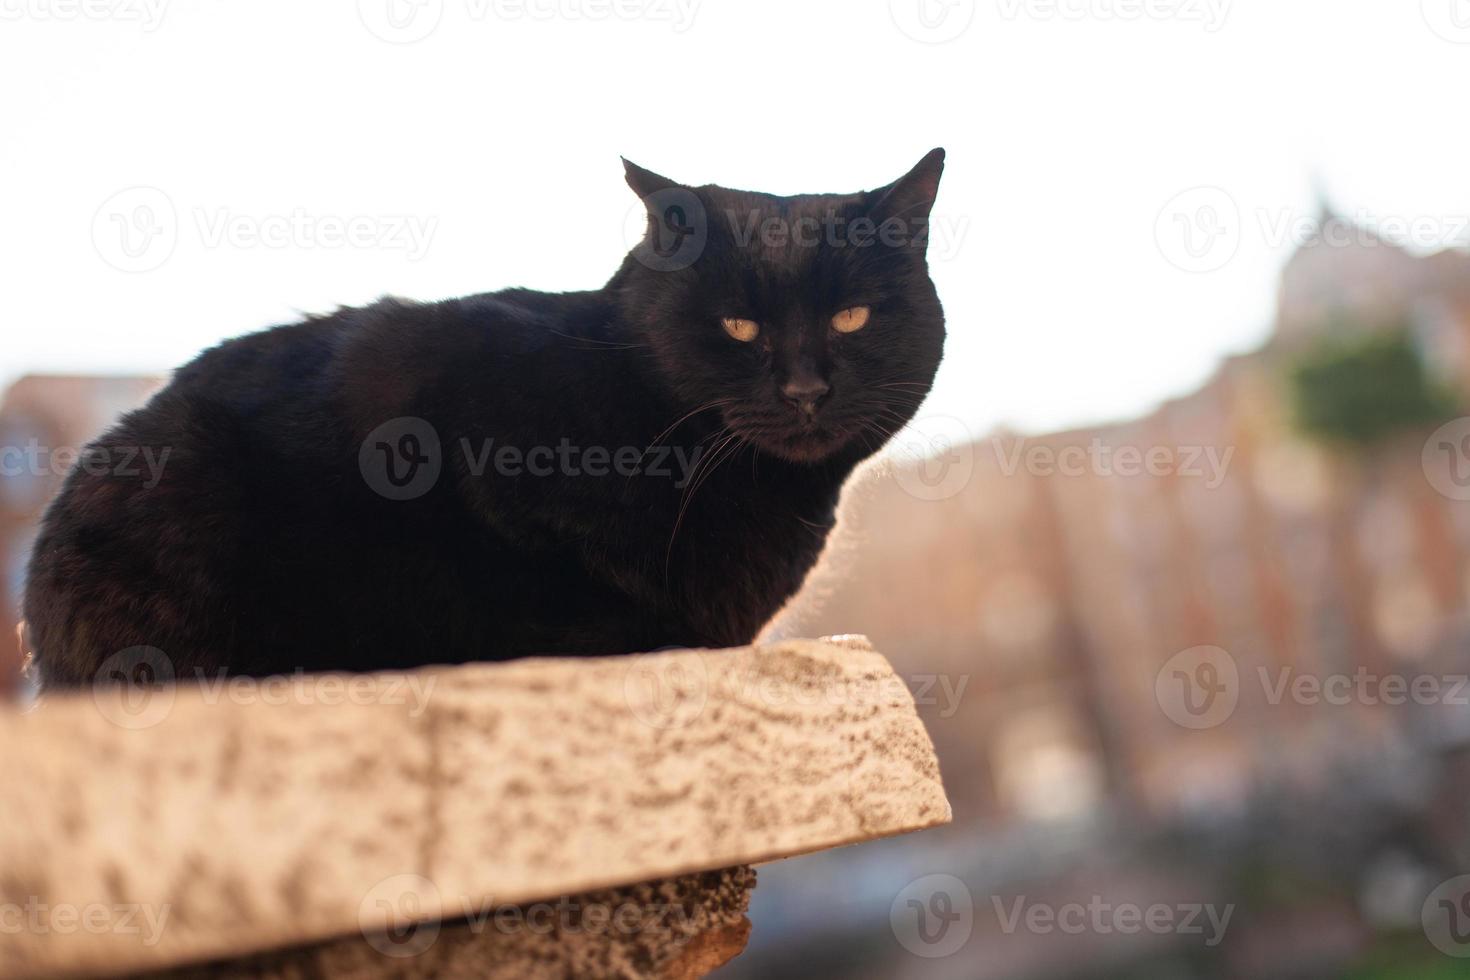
(1406, 957)
(1360, 387)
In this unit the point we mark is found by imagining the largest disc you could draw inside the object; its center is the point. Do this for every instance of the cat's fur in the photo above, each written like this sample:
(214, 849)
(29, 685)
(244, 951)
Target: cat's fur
(267, 546)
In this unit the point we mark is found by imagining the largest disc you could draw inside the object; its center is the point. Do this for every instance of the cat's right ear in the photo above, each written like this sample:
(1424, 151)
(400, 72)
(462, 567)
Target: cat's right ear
(677, 226)
(645, 183)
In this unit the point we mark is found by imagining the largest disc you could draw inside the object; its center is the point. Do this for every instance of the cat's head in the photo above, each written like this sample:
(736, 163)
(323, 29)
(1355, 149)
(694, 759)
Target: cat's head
(809, 323)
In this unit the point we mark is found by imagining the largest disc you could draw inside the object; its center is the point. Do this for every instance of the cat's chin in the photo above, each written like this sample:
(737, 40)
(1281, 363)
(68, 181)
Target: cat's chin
(811, 446)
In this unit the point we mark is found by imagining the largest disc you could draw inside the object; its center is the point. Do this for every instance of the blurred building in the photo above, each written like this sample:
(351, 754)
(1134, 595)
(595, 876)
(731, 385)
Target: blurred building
(1052, 584)
(1061, 584)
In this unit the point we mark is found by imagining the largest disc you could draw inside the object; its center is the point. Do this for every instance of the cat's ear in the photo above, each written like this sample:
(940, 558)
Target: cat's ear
(677, 226)
(910, 197)
(645, 183)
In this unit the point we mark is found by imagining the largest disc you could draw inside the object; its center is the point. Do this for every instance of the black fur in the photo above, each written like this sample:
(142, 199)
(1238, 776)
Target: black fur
(267, 546)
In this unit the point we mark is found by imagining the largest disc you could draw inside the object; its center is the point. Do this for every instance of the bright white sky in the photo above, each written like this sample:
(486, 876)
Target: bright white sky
(1070, 124)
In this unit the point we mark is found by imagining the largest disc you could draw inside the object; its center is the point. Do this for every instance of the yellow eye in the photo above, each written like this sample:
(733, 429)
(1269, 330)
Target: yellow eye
(851, 321)
(742, 330)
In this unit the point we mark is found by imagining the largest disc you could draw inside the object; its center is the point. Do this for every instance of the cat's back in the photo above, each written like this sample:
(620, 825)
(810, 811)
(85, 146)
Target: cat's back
(253, 464)
(285, 389)
(284, 410)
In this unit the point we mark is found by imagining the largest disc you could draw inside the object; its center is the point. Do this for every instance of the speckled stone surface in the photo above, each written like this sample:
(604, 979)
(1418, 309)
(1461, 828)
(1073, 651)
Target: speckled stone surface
(674, 929)
(227, 819)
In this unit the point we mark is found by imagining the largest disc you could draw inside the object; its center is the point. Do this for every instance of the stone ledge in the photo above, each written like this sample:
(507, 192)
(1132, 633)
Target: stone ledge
(250, 817)
(706, 929)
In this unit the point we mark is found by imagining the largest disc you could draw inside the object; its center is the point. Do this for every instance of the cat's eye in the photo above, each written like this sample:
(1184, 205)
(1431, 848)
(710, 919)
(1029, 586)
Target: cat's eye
(742, 330)
(851, 320)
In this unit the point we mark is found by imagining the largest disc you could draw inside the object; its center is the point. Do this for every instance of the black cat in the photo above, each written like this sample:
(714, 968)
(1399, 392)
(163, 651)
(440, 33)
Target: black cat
(655, 463)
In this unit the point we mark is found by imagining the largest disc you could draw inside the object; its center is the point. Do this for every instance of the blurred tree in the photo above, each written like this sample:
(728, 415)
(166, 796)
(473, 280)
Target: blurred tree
(1359, 386)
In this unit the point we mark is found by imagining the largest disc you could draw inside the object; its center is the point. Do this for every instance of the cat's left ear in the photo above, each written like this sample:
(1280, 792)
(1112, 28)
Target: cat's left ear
(645, 183)
(910, 197)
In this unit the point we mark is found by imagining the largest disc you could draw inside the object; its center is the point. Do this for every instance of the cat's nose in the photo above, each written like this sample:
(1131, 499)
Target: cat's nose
(806, 392)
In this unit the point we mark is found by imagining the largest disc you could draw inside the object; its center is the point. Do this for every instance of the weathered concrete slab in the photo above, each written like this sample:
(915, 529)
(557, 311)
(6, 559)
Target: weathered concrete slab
(220, 819)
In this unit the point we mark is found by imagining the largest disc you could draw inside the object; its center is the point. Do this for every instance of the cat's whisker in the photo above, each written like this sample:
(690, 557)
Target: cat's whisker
(883, 433)
(607, 344)
(717, 403)
(697, 480)
(693, 488)
(898, 420)
(719, 438)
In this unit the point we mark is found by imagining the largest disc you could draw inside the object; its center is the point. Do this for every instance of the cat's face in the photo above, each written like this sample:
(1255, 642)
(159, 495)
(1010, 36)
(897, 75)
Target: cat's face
(809, 324)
